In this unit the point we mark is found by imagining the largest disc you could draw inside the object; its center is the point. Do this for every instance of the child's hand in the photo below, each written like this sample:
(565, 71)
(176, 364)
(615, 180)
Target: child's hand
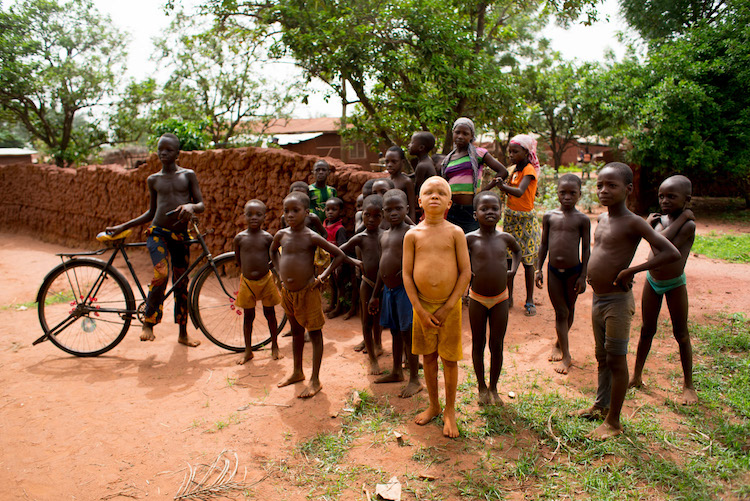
(652, 219)
(373, 306)
(689, 215)
(580, 286)
(494, 182)
(114, 230)
(185, 210)
(441, 314)
(357, 263)
(539, 279)
(427, 319)
(624, 279)
(319, 280)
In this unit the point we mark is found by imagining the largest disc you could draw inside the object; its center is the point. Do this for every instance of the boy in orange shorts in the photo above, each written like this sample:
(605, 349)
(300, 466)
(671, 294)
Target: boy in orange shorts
(251, 248)
(436, 272)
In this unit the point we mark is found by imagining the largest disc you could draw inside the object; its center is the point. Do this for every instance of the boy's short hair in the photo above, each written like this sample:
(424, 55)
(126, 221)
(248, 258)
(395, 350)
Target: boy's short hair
(298, 185)
(299, 197)
(394, 193)
(385, 180)
(337, 201)
(425, 138)
(173, 137)
(398, 150)
(622, 169)
(571, 178)
(485, 194)
(367, 187)
(257, 202)
(683, 182)
(373, 201)
(322, 162)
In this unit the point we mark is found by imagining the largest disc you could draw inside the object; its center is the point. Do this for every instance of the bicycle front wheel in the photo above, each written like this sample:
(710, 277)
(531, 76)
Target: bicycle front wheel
(213, 294)
(85, 307)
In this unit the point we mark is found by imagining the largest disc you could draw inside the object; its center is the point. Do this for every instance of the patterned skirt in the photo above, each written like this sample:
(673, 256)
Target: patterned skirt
(525, 228)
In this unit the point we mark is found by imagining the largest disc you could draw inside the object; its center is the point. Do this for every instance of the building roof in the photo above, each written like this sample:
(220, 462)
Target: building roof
(16, 152)
(302, 125)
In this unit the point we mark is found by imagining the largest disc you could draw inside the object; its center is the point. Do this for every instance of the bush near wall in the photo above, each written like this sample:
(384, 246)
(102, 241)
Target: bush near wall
(70, 206)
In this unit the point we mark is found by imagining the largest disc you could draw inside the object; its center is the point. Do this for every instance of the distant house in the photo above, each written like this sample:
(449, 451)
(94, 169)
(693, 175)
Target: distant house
(320, 137)
(15, 156)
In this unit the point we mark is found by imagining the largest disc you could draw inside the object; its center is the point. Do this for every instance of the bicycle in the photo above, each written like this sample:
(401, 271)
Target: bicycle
(86, 305)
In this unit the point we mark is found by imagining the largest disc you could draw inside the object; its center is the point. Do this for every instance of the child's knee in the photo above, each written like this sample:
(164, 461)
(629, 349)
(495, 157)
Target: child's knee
(450, 364)
(562, 313)
(269, 312)
(682, 336)
(161, 272)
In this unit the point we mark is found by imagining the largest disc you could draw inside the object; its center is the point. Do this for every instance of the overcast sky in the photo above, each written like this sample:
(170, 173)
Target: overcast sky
(145, 19)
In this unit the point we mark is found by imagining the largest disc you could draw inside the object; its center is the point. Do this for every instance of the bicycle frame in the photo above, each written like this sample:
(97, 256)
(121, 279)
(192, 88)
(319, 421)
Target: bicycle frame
(120, 248)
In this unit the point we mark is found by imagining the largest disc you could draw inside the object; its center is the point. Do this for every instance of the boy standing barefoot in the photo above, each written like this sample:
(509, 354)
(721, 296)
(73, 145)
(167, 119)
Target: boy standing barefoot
(396, 309)
(617, 236)
(436, 273)
(564, 231)
(300, 292)
(488, 295)
(676, 224)
(175, 198)
(368, 246)
(256, 282)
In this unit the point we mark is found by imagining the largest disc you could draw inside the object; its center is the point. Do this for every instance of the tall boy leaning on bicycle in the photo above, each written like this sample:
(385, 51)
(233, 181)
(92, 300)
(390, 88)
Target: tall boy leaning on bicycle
(175, 197)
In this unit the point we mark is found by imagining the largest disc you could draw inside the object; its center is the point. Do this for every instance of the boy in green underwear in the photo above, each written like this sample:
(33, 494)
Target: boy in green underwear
(676, 223)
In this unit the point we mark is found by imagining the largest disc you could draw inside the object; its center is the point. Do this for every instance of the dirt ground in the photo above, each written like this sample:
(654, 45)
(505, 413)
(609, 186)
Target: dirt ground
(125, 424)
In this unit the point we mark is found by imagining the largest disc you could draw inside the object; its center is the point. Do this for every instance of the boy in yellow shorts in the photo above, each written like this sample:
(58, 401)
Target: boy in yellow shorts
(436, 272)
(251, 249)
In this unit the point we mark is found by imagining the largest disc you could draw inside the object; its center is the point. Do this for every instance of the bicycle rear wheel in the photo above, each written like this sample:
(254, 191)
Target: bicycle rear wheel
(213, 309)
(84, 307)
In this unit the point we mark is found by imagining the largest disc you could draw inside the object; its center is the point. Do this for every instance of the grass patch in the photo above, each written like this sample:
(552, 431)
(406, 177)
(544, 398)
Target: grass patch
(732, 247)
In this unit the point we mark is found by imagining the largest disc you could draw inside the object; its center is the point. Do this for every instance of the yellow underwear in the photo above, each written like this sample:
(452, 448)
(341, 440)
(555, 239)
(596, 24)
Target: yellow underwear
(487, 301)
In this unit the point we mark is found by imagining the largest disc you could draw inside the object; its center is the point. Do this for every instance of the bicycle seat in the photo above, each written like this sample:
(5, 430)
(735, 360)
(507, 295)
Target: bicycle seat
(106, 237)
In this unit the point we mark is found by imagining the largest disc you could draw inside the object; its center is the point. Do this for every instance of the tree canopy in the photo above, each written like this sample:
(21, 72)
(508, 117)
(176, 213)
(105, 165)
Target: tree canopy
(58, 61)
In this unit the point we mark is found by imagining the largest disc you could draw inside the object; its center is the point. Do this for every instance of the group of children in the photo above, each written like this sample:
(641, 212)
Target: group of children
(413, 277)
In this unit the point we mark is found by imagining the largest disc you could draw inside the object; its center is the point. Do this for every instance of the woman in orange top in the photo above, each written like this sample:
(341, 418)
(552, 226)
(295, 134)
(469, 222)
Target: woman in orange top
(520, 219)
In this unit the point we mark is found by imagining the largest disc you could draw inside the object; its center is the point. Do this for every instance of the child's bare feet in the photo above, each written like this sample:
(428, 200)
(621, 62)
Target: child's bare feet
(375, 368)
(495, 396)
(275, 353)
(391, 378)
(484, 397)
(379, 350)
(450, 428)
(556, 354)
(605, 431)
(689, 396)
(564, 365)
(188, 341)
(410, 389)
(635, 382)
(311, 389)
(294, 378)
(427, 415)
(349, 314)
(147, 333)
(246, 357)
(591, 413)
(360, 347)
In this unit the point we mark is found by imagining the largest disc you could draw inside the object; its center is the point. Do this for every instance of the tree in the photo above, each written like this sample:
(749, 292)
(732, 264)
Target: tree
(218, 76)
(58, 61)
(657, 20)
(553, 89)
(412, 64)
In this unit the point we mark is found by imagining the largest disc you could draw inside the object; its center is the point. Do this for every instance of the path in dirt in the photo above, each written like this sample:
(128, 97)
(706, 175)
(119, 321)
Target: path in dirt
(125, 424)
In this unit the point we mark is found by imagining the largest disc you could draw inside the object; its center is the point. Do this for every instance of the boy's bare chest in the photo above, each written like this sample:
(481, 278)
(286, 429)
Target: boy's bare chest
(610, 236)
(487, 248)
(565, 224)
(172, 184)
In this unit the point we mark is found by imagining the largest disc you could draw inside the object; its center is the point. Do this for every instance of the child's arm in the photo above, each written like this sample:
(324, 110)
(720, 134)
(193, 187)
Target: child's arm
(411, 199)
(337, 255)
(196, 206)
(351, 246)
(495, 165)
(539, 275)
(515, 250)
(464, 274)
(143, 218)
(425, 168)
(580, 286)
(517, 192)
(664, 252)
(407, 274)
(317, 224)
(672, 231)
(274, 250)
(237, 251)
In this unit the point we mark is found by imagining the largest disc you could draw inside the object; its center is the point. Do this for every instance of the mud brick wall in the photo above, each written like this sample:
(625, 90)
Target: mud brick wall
(70, 206)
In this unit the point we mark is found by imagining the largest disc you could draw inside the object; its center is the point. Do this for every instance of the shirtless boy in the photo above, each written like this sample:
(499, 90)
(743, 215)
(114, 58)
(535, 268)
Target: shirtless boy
(610, 275)
(300, 292)
(175, 198)
(395, 307)
(312, 221)
(394, 164)
(435, 244)
(678, 226)
(421, 144)
(368, 248)
(251, 248)
(564, 231)
(488, 294)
